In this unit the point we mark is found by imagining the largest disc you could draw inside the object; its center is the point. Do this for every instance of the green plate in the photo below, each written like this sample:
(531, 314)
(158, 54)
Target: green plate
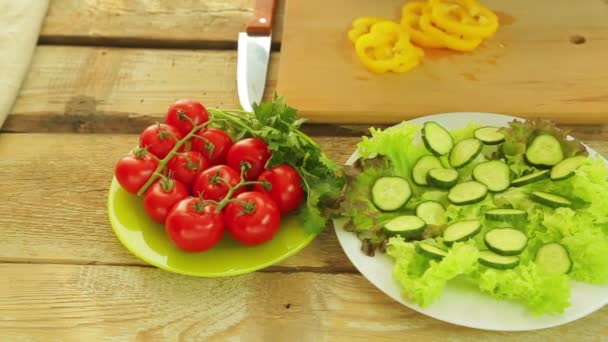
(148, 241)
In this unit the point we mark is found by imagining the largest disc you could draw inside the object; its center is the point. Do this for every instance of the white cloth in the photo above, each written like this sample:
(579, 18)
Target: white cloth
(20, 23)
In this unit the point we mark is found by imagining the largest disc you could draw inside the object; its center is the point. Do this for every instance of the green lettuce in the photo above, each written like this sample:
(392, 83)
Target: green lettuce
(542, 293)
(423, 279)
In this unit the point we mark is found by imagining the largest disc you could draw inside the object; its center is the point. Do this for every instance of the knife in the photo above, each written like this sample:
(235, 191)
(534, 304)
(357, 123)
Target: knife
(254, 54)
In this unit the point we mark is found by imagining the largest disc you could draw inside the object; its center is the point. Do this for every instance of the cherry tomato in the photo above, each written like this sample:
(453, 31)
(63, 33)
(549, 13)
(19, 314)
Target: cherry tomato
(251, 151)
(187, 165)
(190, 108)
(159, 139)
(133, 170)
(285, 187)
(194, 226)
(209, 184)
(161, 196)
(214, 145)
(255, 222)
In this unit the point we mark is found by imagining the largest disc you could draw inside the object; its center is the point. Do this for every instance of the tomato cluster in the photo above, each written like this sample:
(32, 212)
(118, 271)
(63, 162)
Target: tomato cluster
(198, 182)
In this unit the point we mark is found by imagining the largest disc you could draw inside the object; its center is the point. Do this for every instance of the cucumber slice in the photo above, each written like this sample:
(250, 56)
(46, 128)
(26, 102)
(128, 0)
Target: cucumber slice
(550, 200)
(553, 258)
(530, 178)
(506, 241)
(405, 226)
(436, 138)
(431, 212)
(430, 251)
(422, 167)
(497, 261)
(442, 178)
(544, 151)
(489, 135)
(506, 215)
(467, 193)
(565, 168)
(391, 193)
(464, 152)
(461, 231)
(494, 174)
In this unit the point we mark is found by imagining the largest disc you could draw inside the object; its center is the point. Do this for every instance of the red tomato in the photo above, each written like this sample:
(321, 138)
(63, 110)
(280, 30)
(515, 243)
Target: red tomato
(159, 139)
(187, 165)
(251, 151)
(161, 196)
(133, 170)
(211, 187)
(194, 226)
(214, 146)
(285, 187)
(254, 223)
(190, 108)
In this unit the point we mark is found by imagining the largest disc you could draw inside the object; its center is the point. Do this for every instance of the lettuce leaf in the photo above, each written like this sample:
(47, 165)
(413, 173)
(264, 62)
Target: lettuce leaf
(423, 279)
(543, 294)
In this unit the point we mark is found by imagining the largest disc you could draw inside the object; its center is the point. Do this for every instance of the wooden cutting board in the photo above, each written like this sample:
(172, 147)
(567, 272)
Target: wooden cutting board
(548, 59)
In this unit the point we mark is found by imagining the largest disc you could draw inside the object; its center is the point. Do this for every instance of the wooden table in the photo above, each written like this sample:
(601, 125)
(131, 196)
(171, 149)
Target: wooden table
(104, 70)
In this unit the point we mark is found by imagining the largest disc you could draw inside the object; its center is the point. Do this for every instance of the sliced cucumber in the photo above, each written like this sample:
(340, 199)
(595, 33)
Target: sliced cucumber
(553, 258)
(544, 151)
(550, 200)
(431, 251)
(422, 167)
(431, 212)
(467, 193)
(489, 135)
(506, 241)
(442, 178)
(497, 261)
(530, 178)
(506, 215)
(464, 152)
(436, 138)
(391, 193)
(461, 231)
(565, 168)
(405, 226)
(494, 174)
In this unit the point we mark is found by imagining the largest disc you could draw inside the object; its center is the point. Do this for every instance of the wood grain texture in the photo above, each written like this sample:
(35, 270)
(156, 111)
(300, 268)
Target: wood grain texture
(53, 202)
(77, 303)
(76, 89)
(533, 67)
(106, 90)
(151, 23)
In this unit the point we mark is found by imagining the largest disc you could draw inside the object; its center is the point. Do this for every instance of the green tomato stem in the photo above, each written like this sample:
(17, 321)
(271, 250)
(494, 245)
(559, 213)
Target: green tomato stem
(163, 162)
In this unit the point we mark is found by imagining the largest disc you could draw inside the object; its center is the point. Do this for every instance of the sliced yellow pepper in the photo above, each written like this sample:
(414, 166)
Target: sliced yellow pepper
(478, 21)
(452, 41)
(410, 18)
(361, 26)
(387, 47)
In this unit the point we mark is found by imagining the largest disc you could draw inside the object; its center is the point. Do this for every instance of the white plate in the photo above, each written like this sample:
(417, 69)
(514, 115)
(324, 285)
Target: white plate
(460, 304)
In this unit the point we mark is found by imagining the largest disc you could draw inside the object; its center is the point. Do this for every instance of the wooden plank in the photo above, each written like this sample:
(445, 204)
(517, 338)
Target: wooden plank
(537, 65)
(78, 303)
(54, 192)
(150, 23)
(105, 90)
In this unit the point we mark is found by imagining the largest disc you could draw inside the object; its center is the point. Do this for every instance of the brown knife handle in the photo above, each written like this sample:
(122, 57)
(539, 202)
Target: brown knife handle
(261, 23)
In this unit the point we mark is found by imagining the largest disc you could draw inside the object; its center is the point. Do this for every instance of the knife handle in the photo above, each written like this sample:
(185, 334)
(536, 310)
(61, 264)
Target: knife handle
(261, 23)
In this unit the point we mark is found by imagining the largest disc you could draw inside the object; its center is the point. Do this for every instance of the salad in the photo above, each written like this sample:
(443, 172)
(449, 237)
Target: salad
(517, 212)
(203, 173)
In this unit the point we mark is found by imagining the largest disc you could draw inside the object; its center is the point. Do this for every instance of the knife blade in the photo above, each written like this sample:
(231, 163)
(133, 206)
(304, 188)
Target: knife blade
(254, 53)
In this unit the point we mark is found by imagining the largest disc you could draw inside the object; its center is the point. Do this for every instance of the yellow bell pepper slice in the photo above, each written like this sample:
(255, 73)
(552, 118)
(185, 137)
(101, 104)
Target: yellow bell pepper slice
(361, 26)
(454, 42)
(478, 21)
(410, 18)
(386, 48)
